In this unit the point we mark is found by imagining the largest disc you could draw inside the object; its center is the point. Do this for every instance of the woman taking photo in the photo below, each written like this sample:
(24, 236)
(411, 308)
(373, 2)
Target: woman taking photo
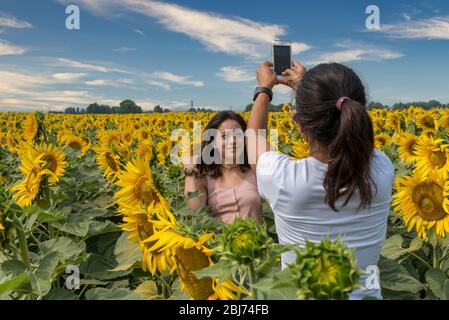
(344, 188)
(226, 183)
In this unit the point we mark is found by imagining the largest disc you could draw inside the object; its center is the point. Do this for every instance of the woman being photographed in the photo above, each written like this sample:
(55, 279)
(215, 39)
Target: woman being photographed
(343, 189)
(225, 181)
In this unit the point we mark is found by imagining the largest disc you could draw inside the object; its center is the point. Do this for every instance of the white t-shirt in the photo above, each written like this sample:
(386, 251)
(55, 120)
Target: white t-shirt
(294, 190)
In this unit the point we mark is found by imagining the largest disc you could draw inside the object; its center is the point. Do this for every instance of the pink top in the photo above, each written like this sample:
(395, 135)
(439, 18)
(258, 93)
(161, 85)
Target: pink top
(241, 201)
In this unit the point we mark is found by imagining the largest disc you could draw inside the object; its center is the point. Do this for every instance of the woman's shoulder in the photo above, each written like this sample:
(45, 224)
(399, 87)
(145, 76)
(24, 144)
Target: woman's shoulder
(380, 159)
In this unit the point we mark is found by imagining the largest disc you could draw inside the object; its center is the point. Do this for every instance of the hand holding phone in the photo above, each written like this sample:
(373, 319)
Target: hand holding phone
(282, 57)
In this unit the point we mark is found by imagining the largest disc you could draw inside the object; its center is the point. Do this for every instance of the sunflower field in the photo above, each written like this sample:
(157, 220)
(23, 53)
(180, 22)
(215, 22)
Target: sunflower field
(91, 207)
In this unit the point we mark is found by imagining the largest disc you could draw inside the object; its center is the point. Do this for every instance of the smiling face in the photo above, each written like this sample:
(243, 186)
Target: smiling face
(230, 142)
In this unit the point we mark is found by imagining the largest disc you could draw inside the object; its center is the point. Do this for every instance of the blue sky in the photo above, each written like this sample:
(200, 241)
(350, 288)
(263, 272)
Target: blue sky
(171, 52)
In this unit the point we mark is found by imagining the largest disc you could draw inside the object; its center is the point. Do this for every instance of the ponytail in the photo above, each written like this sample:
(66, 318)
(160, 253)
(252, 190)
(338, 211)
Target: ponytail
(349, 157)
(342, 125)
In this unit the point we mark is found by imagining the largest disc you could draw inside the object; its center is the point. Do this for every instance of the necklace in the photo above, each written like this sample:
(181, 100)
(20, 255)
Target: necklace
(230, 168)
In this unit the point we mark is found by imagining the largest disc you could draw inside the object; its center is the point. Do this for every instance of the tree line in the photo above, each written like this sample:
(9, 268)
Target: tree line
(129, 106)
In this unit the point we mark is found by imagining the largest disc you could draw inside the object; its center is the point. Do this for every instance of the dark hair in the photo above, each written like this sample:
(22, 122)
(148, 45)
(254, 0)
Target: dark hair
(214, 169)
(348, 133)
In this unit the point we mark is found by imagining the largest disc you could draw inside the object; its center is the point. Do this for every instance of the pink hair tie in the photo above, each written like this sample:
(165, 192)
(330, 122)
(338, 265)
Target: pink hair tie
(341, 101)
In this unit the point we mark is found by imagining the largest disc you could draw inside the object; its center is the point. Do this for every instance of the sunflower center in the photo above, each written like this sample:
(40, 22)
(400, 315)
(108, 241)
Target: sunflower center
(410, 146)
(144, 227)
(50, 162)
(144, 191)
(75, 145)
(437, 159)
(111, 161)
(327, 272)
(429, 122)
(428, 199)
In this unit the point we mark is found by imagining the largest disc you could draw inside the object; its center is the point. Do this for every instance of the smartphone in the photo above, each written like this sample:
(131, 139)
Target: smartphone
(282, 57)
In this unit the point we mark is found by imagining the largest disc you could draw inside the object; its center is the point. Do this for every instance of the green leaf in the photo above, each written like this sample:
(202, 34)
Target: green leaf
(112, 294)
(394, 276)
(66, 248)
(127, 253)
(392, 248)
(76, 224)
(213, 271)
(101, 268)
(435, 279)
(100, 227)
(445, 295)
(60, 294)
(44, 274)
(148, 290)
(14, 283)
(46, 216)
(14, 267)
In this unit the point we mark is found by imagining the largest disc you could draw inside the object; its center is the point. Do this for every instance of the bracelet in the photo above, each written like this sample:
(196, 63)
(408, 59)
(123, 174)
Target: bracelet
(191, 172)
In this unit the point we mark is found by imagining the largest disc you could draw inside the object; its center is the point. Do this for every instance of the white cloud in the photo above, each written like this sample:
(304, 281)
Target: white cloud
(68, 77)
(159, 84)
(235, 74)
(9, 21)
(124, 49)
(7, 48)
(139, 32)
(218, 33)
(430, 28)
(109, 82)
(26, 90)
(184, 80)
(69, 63)
(352, 51)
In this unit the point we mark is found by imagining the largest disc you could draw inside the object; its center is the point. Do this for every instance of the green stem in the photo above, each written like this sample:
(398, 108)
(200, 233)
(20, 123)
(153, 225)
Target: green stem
(421, 259)
(22, 242)
(445, 255)
(252, 280)
(436, 256)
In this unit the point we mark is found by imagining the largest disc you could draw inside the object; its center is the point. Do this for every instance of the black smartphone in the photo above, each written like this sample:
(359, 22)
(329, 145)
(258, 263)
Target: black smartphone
(282, 56)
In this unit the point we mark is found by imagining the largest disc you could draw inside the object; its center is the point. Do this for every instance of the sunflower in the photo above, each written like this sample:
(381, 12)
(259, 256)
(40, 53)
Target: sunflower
(77, 143)
(423, 203)
(140, 228)
(145, 149)
(33, 167)
(191, 255)
(393, 122)
(427, 121)
(54, 160)
(382, 140)
(137, 186)
(109, 162)
(30, 128)
(407, 143)
(432, 157)
(300, 149)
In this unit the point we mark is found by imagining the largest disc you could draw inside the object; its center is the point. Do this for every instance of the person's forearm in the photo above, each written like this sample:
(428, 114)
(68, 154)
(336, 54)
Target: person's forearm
(191, 186)
(258, 118)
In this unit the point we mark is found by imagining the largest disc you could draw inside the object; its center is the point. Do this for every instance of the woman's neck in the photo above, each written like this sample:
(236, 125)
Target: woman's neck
(319, 152)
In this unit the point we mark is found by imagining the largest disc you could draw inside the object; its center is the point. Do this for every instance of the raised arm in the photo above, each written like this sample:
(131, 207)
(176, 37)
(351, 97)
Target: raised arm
(258, 120)
(257, 142)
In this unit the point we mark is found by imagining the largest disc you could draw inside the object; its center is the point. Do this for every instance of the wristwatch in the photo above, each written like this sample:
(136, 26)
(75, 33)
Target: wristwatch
(264, 90)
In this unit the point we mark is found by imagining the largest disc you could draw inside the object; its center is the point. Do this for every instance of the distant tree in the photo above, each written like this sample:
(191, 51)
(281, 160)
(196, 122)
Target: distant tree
(249, 107)
(158, 109)
(129, 106)
(70, 110)
(98, 109)
(376, 105)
